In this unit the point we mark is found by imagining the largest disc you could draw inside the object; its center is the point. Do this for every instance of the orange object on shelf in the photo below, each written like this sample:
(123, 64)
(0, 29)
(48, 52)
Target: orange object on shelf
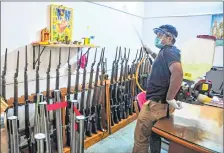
(45, 35)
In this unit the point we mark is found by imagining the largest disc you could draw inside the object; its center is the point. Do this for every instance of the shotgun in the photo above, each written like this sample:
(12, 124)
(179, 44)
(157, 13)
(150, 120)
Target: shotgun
(112, 93)
(88, 112)
(28, 132)
(68, 99)
(94, 99)
(121, 89)
(117, 117)
(99, 105)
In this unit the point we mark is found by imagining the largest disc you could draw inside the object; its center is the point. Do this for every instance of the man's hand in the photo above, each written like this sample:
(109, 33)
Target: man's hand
(149, 51)
(175, 104)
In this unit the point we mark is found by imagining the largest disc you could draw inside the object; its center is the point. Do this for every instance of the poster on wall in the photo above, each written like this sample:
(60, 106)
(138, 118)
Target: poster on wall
(61, 23)
(217, 28)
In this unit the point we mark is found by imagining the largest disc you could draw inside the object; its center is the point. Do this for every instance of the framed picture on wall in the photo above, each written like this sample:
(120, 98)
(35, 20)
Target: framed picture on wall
(61, 23)
(217, 28)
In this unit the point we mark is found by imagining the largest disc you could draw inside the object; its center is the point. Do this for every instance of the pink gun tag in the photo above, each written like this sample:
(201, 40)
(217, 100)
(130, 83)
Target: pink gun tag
(82, 61)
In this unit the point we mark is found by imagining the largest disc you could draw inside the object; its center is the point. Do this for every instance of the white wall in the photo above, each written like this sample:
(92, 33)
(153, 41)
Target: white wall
(167, 9)
(135, 8)
(23, 20)
(186, 17)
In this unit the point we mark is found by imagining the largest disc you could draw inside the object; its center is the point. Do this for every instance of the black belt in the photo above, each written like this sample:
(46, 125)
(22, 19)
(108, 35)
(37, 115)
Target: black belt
(158, 100)
(162, 101)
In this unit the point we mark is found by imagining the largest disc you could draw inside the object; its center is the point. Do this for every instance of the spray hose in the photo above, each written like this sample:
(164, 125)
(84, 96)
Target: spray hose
(136, 75)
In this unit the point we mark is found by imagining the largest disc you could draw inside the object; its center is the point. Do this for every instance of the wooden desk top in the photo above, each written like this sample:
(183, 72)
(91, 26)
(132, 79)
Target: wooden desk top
(200, 126)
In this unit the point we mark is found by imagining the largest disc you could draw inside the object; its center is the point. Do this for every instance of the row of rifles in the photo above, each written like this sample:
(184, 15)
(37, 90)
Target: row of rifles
(91, 104)
(123, 89)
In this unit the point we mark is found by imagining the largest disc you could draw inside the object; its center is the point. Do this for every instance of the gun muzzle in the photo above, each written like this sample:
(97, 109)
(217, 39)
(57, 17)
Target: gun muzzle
(73, 134)
(44, 121)
(13, 134)
(39, 98)
(81, 120)
(40, 137)
(58, 122)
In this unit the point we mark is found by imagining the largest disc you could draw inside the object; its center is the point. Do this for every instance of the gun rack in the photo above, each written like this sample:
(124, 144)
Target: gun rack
(57, 46)
(95, 137)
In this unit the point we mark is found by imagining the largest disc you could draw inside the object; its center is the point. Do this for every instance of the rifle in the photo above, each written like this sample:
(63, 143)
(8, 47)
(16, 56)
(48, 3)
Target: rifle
(132, 79)
(88, 113)
(121, 89)
(48, 96)
(94, 99)
(139, 73)
(104, 102)
(82, 101)
(3, 76)
(112, 94)
(56, 88)
(117, 117)
(48, 80)
(16, 89)
(99, 105)
(77, 77)
(38, 98)
(68, 99)
(127, 96)
(58, 71)
(28, 132)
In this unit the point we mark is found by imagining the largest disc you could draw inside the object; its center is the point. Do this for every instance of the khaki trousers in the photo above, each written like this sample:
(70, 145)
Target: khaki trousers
(150, 113)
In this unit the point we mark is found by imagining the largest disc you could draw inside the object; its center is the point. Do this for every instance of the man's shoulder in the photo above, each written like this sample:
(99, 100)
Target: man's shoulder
(172, 50)
(172, 53)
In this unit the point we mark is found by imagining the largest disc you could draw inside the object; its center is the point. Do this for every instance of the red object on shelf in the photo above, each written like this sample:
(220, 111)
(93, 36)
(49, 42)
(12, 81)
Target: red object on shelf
(207, 37)
(83, 61)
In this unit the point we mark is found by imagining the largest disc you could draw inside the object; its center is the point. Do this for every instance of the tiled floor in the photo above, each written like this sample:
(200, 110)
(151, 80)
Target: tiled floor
(119, 142)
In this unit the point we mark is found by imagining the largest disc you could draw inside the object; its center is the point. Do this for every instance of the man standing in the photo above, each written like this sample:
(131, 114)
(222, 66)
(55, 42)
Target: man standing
(162, 86)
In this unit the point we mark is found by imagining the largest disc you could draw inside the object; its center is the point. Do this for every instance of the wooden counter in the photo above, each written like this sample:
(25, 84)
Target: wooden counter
(193, 129)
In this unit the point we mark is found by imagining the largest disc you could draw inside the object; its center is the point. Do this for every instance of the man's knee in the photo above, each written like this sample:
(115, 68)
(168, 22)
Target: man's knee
(142, 134)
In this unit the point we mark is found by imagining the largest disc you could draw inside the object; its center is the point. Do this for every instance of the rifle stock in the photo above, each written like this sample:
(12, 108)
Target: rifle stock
(113, 109)
(116, 98)
(68, 130)
(99, 105)
(89, 115)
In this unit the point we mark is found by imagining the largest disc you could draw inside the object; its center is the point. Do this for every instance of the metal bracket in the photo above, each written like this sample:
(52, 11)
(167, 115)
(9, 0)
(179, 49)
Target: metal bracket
(34, 54)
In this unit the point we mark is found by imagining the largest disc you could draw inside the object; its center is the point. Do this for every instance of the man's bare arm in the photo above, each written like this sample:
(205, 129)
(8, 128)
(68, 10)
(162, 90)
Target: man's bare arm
(176, 79)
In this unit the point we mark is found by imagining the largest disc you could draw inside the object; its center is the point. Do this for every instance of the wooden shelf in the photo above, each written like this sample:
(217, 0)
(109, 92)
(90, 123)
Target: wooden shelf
(123, 123)
(67, 45)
